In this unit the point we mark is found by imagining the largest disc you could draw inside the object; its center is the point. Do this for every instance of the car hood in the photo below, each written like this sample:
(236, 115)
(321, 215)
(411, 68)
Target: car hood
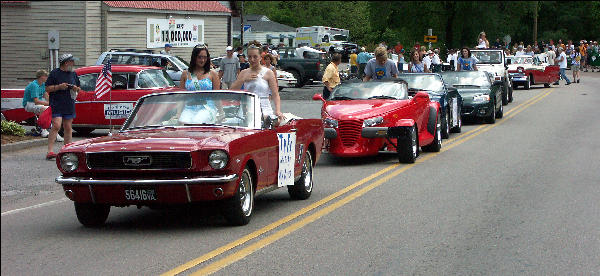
(362, 109)
(497, 69)
(186, 139)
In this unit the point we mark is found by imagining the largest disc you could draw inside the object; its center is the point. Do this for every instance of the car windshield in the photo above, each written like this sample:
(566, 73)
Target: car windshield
(154, 78)
(340, 37)
(466, 78)
(429, 83)
(487, 57)
(181, 63)
(369, 90)
(522, 60)
(193, 109)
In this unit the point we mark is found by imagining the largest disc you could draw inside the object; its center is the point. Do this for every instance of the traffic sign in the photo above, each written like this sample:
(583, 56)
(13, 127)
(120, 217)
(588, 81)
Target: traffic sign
(430, 38)
(247, 28)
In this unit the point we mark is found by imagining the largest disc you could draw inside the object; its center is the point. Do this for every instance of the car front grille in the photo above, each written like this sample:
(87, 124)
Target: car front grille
(145, 160)
(350, 131)
(466, 109)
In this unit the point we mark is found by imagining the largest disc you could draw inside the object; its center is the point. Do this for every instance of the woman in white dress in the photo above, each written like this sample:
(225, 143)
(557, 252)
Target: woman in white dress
(483, 42)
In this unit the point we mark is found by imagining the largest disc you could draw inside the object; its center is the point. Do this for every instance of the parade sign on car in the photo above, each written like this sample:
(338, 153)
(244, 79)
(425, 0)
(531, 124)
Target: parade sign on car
(177, 32)
(287, 153)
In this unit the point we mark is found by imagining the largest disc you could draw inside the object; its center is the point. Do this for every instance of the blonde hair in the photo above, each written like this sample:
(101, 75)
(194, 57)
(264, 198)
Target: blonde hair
(380, 52)
(480, 34)
(40, 73)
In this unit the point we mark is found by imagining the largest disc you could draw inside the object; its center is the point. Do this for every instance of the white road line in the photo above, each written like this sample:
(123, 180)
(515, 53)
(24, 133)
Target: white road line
(34, 206)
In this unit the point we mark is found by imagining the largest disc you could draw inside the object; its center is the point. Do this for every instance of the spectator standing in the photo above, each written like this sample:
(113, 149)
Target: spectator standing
(270, 60)
(529, 51)
(561, 44)
(583, 52)
(362, 59)
(428, 59)
(482, 42)
(416, 65)
(35, 98)
(62, 86)
(238, 51)
(423, 52)
(243, 62)
(401, 61)
(331, 77)
(353, 63)
(398, 48)
(575, 63)
(498, 44)
(551, 46)
(515, 48)
(536, 48)
(230, 69)
(466, 62)
(452, 59)
(167, 50)
(436, 61)
(520, 51)
(562, 63)
(380, 67)
(570, 47)
(265, 50)
(551, 55)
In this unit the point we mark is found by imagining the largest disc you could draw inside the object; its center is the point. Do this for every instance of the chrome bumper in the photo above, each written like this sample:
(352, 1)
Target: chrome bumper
(185, 181)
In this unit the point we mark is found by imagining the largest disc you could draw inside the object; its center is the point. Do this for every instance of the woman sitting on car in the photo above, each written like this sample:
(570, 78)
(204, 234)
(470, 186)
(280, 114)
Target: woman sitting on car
(416, 65)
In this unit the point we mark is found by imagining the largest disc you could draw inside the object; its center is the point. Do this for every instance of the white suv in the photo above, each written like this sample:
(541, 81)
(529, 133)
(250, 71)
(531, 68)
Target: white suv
(493, 61)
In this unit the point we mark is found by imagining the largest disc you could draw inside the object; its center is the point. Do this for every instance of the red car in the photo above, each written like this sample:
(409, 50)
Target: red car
(186, 147)
(129, 84)
(362, 118)
(527, 71)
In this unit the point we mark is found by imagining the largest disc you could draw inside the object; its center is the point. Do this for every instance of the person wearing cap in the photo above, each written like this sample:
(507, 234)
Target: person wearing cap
(428, 59)
(167, 50)
(230, 69)
(62, 86)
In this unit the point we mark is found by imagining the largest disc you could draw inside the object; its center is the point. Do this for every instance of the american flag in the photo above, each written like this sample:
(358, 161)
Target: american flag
(104, 82)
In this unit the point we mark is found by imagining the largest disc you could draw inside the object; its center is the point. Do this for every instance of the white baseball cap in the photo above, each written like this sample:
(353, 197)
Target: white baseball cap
(229, 48)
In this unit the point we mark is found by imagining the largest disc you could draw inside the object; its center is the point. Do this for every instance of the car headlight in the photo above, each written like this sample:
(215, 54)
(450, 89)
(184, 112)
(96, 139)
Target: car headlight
(372, 122)
(69, 162)
(330, 123)
(481, 98)
(218, 159)
(520, 70)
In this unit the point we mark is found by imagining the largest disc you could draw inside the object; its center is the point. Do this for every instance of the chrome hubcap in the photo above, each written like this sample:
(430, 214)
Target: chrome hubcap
(414, 142)
(307, 172)
(245, 194)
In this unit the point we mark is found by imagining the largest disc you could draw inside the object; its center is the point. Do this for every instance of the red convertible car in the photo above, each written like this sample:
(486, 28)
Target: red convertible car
(187, 147)
(362, 118)
(130, 82)
(528, 70)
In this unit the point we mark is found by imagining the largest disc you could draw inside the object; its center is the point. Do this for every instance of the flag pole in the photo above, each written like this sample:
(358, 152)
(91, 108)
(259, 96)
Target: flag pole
(110, 103)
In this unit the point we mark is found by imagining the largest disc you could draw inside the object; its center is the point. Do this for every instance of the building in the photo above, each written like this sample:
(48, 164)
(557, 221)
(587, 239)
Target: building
(88, 28)
(263, 30)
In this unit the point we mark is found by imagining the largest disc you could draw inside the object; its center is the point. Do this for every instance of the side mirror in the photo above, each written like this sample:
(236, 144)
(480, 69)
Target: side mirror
(421, 96)
(318, 97)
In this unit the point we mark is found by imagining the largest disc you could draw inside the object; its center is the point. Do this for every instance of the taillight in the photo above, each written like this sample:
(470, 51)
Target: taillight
(318, 65)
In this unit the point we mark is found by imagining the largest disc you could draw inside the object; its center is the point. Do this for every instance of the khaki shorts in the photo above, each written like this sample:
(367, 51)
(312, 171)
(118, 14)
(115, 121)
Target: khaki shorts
(575, 68)
(35, 108)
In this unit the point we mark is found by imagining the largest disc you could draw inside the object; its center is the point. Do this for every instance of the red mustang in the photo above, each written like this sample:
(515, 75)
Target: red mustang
(187, 147)
(362, 118)
(130, 82)
(527, 71)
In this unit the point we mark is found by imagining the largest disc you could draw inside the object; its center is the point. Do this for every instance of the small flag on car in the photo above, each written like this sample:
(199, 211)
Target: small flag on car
(104, 82)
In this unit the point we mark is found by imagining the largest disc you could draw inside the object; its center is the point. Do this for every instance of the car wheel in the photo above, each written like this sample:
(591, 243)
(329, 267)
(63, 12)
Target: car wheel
(90, 214)
(303, 187)
(83, 130)
(505, 95)
(510, 94)
(408, 147)
(500, 112)
(298, 77)
(280, 88)
(436, 145)
(491, 119)
(546, 85)
(528, 84)
(238, 209)
(446, 126)
(458, 127)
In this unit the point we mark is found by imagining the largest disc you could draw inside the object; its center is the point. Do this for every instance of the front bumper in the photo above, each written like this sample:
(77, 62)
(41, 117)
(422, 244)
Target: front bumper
(476, 109)
(168, 191)
(517, 77)
(368, 142)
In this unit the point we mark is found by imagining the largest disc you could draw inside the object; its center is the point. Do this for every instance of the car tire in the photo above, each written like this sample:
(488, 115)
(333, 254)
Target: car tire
(505, 95)
(528, 84)
(510, 93)
(90, 214)
(302, 188)
(546, 85)
(408, 147)
(446, 125)
(298, 77)
(280, 88)
(491, 119)
(436, 145)
(458, 127)
(500, 112)
(238, 209)
(84, 131)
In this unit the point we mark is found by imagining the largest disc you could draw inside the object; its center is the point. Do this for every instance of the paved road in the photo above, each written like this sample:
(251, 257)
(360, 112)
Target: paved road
(518, 197)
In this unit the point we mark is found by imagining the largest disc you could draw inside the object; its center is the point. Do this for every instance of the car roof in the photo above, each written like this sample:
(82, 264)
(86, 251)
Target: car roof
(115, 68)
(137, 54)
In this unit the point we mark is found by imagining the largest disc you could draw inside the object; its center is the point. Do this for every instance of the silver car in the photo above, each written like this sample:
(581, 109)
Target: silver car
(173, 65)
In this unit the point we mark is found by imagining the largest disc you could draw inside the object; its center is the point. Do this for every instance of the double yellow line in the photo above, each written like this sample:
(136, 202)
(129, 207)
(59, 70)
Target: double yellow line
(232, 258)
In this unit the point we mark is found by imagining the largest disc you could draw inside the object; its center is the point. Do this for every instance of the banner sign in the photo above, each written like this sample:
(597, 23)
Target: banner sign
(117, 110)
(287, 154)
(177, 32)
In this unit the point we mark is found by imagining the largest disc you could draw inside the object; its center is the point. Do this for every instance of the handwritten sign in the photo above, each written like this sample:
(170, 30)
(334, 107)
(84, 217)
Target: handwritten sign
(117, 110)
(287, 154)
(455, 111)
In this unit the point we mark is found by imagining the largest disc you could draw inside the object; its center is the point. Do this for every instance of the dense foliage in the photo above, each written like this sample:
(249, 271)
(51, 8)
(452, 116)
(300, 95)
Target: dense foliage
(12, 128)
(456, 23)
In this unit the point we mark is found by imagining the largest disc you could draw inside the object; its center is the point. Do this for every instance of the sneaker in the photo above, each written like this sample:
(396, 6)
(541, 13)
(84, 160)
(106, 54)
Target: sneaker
(568, 83)
(556, 83)
(59, 138)
(577, 81)
(50, 156)
(45, 133)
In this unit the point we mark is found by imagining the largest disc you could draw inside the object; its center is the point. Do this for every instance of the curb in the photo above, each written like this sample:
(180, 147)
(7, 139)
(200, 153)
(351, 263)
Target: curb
(24, 144)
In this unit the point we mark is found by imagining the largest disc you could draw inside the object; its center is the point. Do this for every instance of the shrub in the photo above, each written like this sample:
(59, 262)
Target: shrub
(12, 128)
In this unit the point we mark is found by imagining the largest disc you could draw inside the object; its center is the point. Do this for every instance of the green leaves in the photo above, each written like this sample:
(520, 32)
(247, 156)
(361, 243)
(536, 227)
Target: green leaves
(12, 128)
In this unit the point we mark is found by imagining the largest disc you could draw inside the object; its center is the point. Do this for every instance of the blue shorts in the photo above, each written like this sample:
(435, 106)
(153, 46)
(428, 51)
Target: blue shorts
(64, 116)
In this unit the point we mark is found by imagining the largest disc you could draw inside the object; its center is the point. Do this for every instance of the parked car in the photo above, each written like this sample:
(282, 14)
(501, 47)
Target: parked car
(527, 71)
(362, 118)
(176, 148)
(494, 61)
(130, 82)
(304, 63)
(450, 100)
(285, 79)
(174, 65)
(481, 93)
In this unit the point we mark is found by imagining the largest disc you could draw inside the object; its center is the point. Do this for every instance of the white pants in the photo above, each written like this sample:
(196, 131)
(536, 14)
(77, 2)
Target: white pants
(35, 108)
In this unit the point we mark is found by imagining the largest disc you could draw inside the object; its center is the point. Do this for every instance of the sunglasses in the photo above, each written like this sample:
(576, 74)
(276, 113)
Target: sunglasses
(201, 46)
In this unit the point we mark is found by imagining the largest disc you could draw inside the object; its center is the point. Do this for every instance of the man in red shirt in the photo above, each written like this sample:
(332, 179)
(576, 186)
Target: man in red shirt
(398, 48)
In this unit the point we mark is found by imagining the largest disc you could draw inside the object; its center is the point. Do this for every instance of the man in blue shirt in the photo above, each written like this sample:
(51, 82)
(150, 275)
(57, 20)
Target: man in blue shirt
(35, 98)
(362, 59)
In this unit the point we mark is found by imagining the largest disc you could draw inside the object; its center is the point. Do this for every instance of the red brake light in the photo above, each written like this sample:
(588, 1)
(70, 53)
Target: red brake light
(318, 65)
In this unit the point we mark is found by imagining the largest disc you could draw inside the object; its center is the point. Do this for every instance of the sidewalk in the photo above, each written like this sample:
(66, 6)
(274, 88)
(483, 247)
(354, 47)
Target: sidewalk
(10, 147)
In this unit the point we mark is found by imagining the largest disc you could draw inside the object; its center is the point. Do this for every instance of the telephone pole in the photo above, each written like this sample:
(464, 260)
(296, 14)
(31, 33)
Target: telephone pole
(535, 18)
(242, 25)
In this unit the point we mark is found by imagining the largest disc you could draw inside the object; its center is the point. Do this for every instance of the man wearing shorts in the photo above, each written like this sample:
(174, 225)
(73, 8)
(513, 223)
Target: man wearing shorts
(62, 87)
(35, 99)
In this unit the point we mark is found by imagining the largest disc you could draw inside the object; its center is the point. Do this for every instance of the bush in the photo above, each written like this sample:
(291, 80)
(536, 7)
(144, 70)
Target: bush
(12, 128)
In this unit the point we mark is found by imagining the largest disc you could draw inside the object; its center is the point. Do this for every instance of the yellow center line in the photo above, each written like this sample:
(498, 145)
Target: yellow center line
(259, 232)
(232, 258)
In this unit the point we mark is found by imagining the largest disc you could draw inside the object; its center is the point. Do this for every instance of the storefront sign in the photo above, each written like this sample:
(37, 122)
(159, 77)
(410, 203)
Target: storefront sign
(177, 32)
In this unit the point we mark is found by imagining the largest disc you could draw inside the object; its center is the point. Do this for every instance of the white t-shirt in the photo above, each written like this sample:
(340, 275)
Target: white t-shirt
(427, 61)
(455, 58)
(551, 56)
(520, 53)
(563, 62)
(436, 59)
(482, 44)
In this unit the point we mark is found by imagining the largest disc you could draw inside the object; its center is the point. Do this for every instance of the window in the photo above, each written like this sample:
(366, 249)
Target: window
(88, 82)
(154, 78)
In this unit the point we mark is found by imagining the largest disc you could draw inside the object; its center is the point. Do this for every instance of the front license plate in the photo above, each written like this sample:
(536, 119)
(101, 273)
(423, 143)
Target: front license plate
(141, 194)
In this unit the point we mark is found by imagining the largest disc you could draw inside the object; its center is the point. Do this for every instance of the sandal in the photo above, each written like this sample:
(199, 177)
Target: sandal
(50, 156)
